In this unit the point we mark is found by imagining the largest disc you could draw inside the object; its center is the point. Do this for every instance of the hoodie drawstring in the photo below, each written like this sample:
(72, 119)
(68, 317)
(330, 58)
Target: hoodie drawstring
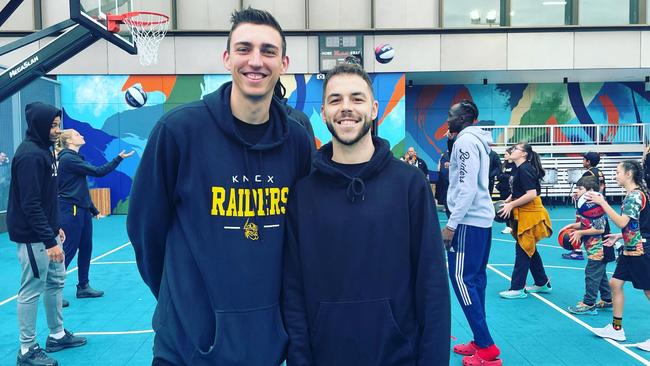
(251, 228)
(356, 189)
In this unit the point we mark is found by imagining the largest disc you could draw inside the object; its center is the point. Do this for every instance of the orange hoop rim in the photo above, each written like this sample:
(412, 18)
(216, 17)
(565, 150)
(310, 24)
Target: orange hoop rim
(122, 18)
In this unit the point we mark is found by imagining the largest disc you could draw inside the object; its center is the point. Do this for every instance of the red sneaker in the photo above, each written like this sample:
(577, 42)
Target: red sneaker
(476, 360)
(467, 349)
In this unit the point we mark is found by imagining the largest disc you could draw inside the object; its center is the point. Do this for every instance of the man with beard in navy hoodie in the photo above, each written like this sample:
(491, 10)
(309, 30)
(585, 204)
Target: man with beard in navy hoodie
(207, 209)
(365, 281)
(33, 223)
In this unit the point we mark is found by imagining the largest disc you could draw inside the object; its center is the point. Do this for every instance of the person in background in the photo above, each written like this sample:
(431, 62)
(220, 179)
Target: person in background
(588, 232)
(590, 162)
(33, 223)
(634, 263)
(505, 181)
(75, 206)
(297, 115)
(468, 232)
(5, 177)
(411, 157)
(442, 186)
(529, 221)
(495, 169)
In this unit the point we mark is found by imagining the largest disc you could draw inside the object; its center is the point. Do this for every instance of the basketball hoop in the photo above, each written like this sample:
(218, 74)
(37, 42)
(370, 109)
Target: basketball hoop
(147, 29)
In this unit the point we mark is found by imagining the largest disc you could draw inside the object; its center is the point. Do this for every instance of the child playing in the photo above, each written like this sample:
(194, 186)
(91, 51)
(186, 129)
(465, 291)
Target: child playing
(634, 264)
(589, 232)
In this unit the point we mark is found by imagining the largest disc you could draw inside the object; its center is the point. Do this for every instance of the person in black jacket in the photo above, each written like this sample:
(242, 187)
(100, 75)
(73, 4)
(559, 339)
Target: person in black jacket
(411, 157)
(33, 223)
(495, 170)
(363, 286)
(75, 205)
(295, 114)
(442, 186)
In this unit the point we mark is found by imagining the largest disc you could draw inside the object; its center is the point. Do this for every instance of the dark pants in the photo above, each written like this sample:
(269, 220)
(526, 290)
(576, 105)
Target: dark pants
(467, 266)
(77, 224)
(523, 263)
(595, 280)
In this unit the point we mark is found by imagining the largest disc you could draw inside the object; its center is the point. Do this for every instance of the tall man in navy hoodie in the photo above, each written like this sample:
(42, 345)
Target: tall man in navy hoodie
(33, 223)
(365, 281)
(207, 209)
(468, 233)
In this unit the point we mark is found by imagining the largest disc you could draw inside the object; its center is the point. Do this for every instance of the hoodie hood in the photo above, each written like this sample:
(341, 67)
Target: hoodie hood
(39, 120)
(66, 152)
(484, 136)
(355, 185)
(218, 103)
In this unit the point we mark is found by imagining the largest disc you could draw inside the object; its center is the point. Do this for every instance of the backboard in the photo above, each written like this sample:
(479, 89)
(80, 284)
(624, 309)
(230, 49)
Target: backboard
(92, 15)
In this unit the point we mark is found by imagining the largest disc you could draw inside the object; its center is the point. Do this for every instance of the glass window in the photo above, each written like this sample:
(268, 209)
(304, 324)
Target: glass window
(527, 13)
(468, 13)
(604, 12)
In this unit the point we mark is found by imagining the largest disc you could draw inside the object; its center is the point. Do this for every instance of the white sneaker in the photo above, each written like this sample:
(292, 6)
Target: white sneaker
(507, 230)
(513, 294)
(608, 331)
(644, 345)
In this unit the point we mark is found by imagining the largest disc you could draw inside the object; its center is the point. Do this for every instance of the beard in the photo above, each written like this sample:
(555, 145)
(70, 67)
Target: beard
(365, 129)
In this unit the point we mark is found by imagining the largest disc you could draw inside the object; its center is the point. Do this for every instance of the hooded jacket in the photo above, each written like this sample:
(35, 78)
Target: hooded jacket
(468, 196)
(73, 185)
(32, 211)
(365, 281)
(207, 221)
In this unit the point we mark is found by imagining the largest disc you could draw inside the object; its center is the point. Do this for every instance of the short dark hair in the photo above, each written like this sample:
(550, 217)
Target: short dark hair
(592, 157)
(589, 182)
(349, 69)
(255, 16)
(468, 108)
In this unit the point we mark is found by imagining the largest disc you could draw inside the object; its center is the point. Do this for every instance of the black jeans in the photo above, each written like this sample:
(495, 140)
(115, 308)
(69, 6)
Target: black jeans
(523, 263)
(595, 280)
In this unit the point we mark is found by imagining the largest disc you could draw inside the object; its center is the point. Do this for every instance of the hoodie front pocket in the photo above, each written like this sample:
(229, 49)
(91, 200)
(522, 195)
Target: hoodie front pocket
(245, 337)
(359, 333)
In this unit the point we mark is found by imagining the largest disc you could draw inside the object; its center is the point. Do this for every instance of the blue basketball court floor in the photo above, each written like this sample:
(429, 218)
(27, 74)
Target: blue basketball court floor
(532, 331)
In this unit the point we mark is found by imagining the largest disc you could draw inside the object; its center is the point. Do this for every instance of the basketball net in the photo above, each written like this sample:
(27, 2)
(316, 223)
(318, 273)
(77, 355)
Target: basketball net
(147, 29)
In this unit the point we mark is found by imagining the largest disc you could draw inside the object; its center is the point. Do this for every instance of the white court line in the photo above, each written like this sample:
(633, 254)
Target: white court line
(545, 266)
(114, 333)
(123, 262)
(539, 245)
(642, 360)
(76, 268)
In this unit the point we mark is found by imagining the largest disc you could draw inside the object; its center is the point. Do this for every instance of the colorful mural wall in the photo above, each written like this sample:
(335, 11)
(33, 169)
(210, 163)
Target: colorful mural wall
(608, 104)
(94, 105)
(414, 116)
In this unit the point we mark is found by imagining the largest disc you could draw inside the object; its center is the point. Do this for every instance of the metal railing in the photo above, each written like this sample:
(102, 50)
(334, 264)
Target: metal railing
(575, 134)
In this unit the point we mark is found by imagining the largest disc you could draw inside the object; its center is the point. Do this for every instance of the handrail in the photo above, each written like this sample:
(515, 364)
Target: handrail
(571, 134)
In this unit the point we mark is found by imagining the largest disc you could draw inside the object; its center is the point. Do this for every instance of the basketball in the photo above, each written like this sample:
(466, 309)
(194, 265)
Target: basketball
(564, 239)
(135, 96)
(498, 205)
(384, 53)
(589, 209)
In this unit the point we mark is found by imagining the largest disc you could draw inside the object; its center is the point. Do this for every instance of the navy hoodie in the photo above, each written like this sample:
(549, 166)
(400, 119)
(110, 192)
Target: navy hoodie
(32, 212)
(207, 222)
(365, 280)
(73, 186)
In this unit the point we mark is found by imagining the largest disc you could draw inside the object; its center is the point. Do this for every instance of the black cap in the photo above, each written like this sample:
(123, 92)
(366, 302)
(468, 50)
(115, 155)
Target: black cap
(592, 157)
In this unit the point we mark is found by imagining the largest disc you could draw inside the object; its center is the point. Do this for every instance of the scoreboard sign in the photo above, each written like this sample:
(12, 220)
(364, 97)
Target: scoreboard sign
(334, 49)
